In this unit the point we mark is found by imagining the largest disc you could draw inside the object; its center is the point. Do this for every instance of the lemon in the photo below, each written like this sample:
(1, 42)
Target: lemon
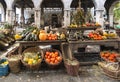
(30, 61)
(26, 59)
(34, 61)
(105, 34)
(39, 60)
(36, 57)
(104, 37)
(17, 36)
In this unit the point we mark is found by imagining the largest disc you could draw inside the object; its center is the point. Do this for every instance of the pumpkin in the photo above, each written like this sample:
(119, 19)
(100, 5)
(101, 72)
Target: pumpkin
(42, 35)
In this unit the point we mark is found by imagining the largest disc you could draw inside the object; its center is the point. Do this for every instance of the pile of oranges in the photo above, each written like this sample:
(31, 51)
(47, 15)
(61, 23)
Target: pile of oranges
(109, 56)
(52, 36)
(52, 58)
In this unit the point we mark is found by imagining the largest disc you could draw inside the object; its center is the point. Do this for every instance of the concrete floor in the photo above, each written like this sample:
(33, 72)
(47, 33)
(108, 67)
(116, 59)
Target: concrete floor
(86, 74)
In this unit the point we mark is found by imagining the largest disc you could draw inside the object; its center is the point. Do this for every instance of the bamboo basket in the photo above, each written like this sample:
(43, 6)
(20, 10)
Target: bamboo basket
(38, 64)
(52, 66)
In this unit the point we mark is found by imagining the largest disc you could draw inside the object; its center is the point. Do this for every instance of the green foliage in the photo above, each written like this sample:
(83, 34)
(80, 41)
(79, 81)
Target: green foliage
(117, 11)
(79, 17)
(8, 26)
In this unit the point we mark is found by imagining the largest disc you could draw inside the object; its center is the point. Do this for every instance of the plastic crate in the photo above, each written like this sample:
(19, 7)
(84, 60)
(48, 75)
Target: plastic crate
(3, 69)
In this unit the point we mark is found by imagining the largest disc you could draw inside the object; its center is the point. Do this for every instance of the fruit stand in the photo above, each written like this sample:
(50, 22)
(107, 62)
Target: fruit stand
(73, 39)
(37, 43)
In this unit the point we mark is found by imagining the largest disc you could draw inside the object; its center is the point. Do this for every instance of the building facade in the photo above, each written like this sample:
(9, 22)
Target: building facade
(50, 12)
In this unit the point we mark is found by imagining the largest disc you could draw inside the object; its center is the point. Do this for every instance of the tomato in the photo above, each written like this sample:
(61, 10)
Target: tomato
(48, 60)
(47, 53)
(56, 53)
(46, 56)
(107, 55)
(112, 55)
(56, 61)
(51, 62)
(59, 58)
(110, 58)
(52, 59)
(50, 38)
(53, 55)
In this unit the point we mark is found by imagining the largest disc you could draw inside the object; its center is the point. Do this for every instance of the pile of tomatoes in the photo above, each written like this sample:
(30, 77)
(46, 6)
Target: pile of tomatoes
(52, 57)
(109, 56)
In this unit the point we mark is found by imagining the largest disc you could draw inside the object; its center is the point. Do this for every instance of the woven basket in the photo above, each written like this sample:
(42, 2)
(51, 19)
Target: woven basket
(34, 66)
(112, 73)
(14, 60)
(72, 69)
(14, 51)
(52, 66)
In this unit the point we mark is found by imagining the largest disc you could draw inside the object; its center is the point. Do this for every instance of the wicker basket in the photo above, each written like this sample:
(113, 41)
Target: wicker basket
(52, 66)
(14, 60)
(14, 63)
(112, 73)
(72, 69)
(34, 66)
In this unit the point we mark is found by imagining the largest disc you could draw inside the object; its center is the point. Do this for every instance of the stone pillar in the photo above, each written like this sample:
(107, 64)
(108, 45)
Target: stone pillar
(5, 17)
(99, 17)
(37, 17)
(9, 11)
(111, 19)
(67, 11)
(66, 17)
(22, 18)
(10, 16)
(37, 4)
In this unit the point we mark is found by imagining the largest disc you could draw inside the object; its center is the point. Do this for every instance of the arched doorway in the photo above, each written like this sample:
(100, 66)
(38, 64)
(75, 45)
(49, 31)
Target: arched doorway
(24, 11)
(109, 6)
(51, 13)
(87, 6)
(2, 11)
(54, 20)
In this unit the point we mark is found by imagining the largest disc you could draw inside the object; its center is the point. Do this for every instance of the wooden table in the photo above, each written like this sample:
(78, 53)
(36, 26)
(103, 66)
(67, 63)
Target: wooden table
(75, 44)
(23, 44)
(110, 42)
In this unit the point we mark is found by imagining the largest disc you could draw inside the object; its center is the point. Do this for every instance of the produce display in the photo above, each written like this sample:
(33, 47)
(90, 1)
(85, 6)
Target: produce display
(109, 56)
(5, 41)
(96, 36)
(6, 29)
(110, 34)
(87, 24)
(32, 58)
(6, 37)
(29, 34)
(52, 58)
(92, 34)
(34, 34)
